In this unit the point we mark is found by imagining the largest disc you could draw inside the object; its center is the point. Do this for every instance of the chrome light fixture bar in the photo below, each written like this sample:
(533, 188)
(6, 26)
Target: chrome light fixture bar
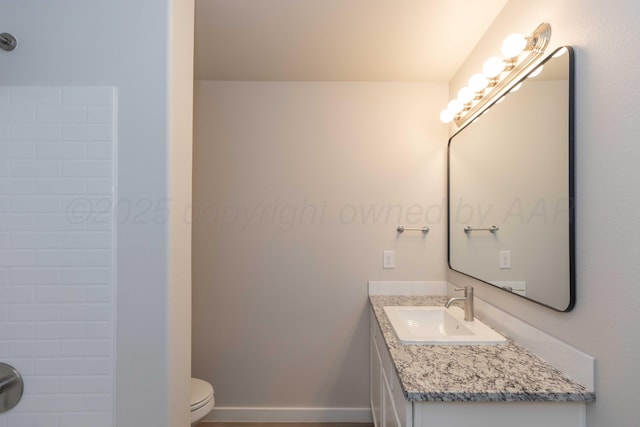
(498, 74)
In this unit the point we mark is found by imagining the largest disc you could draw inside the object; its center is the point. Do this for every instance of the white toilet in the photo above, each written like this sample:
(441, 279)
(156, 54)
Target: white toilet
(201, 400)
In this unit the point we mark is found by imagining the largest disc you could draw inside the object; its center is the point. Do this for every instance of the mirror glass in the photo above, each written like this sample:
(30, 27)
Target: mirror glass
(510, 192)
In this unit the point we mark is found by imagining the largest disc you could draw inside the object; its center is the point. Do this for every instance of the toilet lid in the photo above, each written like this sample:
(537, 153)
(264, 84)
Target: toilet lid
(201, 393)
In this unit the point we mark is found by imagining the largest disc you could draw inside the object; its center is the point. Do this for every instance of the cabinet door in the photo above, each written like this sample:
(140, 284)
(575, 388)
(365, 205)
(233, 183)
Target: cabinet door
(389, 412)
(387, 400)
(500, 414)
(404, 408)
(376, 383)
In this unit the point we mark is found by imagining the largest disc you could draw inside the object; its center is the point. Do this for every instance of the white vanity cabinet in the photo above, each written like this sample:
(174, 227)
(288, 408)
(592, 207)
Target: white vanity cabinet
(388, 404)
(390, 408)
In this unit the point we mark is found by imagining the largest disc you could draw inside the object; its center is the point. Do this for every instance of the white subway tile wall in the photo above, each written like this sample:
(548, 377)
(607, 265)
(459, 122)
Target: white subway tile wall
(57, 253)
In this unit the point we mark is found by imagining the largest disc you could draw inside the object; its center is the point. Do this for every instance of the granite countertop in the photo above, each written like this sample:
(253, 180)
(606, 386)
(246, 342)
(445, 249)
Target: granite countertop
(472, 373)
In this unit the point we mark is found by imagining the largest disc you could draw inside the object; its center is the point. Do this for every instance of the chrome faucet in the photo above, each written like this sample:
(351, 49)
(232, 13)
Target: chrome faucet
(468, 302)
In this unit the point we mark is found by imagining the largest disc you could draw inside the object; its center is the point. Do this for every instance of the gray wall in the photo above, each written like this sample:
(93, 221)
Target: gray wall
(605, 321)
(282, 252)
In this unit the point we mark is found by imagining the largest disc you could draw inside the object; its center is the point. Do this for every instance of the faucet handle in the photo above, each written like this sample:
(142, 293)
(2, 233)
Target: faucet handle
(468, 290)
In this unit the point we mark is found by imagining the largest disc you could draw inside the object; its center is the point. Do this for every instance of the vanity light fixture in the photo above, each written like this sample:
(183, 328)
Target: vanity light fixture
(519, 54)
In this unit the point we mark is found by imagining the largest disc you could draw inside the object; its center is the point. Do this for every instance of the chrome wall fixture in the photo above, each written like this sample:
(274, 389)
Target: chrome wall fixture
(402, 229)
(491, 229)
(498, 74)
(11, 387)
(7, 42)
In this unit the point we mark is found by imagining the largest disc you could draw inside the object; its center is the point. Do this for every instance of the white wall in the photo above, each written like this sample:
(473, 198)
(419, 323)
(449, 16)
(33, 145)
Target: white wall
(604, 322)
(126, 45)
(181, 35)
(282, 253)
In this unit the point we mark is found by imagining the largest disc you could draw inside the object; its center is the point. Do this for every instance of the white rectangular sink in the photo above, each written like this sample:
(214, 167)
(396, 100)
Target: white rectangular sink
(438, 325)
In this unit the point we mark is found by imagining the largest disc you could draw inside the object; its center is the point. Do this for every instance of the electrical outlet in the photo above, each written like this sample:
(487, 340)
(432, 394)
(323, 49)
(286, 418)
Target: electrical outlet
(505, 260)
(388, 259)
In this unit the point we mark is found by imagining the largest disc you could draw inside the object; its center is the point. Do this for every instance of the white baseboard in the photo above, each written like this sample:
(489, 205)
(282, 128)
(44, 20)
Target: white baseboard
(290, 415)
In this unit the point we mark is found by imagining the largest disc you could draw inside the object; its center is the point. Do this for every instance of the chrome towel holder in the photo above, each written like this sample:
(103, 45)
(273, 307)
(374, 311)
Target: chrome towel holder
(7, 42)
(492, 229)
(402, 229)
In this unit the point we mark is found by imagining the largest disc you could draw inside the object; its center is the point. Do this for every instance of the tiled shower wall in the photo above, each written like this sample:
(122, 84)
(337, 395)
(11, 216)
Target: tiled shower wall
(57, 253)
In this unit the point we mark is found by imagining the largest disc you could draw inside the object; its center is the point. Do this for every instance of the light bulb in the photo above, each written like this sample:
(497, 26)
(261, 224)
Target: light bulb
(536, 72)
(513, 45)
(455, 106)
(446, 116)
(466, 95)
(493, 67)
(516, 87)
(478, 82)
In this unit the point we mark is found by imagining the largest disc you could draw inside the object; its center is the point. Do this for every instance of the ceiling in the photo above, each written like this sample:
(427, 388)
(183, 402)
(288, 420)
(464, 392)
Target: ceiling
(338, 40)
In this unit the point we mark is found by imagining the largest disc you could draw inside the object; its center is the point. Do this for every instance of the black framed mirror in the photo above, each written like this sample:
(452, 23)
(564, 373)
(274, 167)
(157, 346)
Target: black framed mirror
(511, 221)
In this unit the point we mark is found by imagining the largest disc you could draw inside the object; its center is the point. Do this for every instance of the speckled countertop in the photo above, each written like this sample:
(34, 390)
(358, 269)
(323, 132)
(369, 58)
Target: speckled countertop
(472, 373)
